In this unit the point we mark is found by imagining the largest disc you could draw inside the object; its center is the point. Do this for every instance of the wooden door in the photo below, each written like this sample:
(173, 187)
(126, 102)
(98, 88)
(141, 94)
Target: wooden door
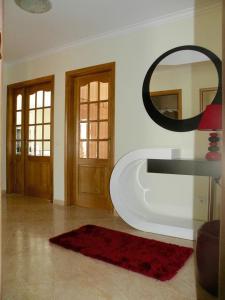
(29, 138)
(94, 125)
(89, 136)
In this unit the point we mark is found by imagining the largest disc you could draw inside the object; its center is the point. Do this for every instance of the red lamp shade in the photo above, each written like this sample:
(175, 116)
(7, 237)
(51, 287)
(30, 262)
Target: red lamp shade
(212, 120)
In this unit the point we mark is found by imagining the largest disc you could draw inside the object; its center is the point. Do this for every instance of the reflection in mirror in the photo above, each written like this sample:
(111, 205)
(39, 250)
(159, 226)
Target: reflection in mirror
(177, 83)
(169, 103)
(206, 96)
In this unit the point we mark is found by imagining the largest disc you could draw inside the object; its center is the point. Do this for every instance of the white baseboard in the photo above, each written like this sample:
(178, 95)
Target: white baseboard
(58, 202)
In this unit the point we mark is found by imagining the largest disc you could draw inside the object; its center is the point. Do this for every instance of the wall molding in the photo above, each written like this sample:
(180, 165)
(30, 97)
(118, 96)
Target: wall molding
(169, 18)
(109, 34)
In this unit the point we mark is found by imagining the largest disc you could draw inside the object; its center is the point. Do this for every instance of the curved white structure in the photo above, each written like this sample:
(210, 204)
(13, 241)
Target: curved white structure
(129, 196)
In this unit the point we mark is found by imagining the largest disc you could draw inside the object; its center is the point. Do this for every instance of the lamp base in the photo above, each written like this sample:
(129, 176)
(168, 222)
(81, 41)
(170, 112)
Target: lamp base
(213, 148)
(213, 156)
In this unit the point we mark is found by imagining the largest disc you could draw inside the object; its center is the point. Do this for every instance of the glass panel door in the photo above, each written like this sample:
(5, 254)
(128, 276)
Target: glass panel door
(39, 123)
(18, 124)
(93, 116)
(94, 120)
(29, 138)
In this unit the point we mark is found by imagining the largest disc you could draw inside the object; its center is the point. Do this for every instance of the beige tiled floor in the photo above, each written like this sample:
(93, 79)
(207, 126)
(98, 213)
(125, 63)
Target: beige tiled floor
(35, 269)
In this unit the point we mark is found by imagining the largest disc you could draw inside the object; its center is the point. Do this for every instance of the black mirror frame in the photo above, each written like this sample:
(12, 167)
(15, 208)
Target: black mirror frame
(185, 124)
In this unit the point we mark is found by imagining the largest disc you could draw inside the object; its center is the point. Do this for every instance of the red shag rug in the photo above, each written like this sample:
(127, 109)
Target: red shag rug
(149, 257)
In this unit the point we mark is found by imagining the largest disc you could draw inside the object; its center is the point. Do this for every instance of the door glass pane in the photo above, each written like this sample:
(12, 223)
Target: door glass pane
(83, 149)
(84, 93)
(83, 131)
(103, 150)
(38, 148)
(32, 101)
(103, 130)
(18, 147)
(18, 132)
(103, 110)
(104, 91)
(39, 98)
(47, 115)
(18, 117)
(31, 132)
(46, 151)
(93, 111)
(32, 117)
(93, 150)
(39, 116)
(31, 148)
(47, 98)
(46, 132)
(93, 131)
(38, 133)
(19, 102)
(83, 112)
(94, 91)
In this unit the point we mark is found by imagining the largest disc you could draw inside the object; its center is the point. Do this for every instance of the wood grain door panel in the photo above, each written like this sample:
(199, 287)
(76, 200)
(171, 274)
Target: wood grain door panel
(19, 175)
(96, 193)
(95, 175)
(38, 177)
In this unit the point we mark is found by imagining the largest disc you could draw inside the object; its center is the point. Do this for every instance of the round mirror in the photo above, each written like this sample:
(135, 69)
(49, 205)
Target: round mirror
(180, 84)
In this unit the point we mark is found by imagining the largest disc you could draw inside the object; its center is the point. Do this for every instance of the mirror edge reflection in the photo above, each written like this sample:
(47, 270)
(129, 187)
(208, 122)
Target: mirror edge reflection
(173, 124)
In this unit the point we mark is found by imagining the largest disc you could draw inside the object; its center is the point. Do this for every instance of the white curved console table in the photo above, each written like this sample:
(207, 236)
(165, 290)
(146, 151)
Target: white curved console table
(129, 196)
(199, 167)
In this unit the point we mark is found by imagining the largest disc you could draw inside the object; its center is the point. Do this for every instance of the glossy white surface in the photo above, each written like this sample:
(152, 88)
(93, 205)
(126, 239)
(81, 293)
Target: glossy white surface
(130, 196)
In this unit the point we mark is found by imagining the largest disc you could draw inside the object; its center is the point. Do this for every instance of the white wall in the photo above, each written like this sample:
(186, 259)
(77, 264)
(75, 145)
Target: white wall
(133, 53)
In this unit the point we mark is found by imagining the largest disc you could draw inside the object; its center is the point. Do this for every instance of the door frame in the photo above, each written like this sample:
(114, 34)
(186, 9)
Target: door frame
(10, 166)
(70, 129)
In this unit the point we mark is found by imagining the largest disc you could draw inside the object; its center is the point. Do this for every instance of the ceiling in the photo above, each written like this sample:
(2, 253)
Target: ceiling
(71, 21)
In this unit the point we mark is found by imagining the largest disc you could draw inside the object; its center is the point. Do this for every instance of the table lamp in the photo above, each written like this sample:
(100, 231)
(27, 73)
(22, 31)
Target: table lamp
(212, 121)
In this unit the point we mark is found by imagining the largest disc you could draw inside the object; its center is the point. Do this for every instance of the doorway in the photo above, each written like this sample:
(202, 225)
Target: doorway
(89, 136)
(30, 114)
